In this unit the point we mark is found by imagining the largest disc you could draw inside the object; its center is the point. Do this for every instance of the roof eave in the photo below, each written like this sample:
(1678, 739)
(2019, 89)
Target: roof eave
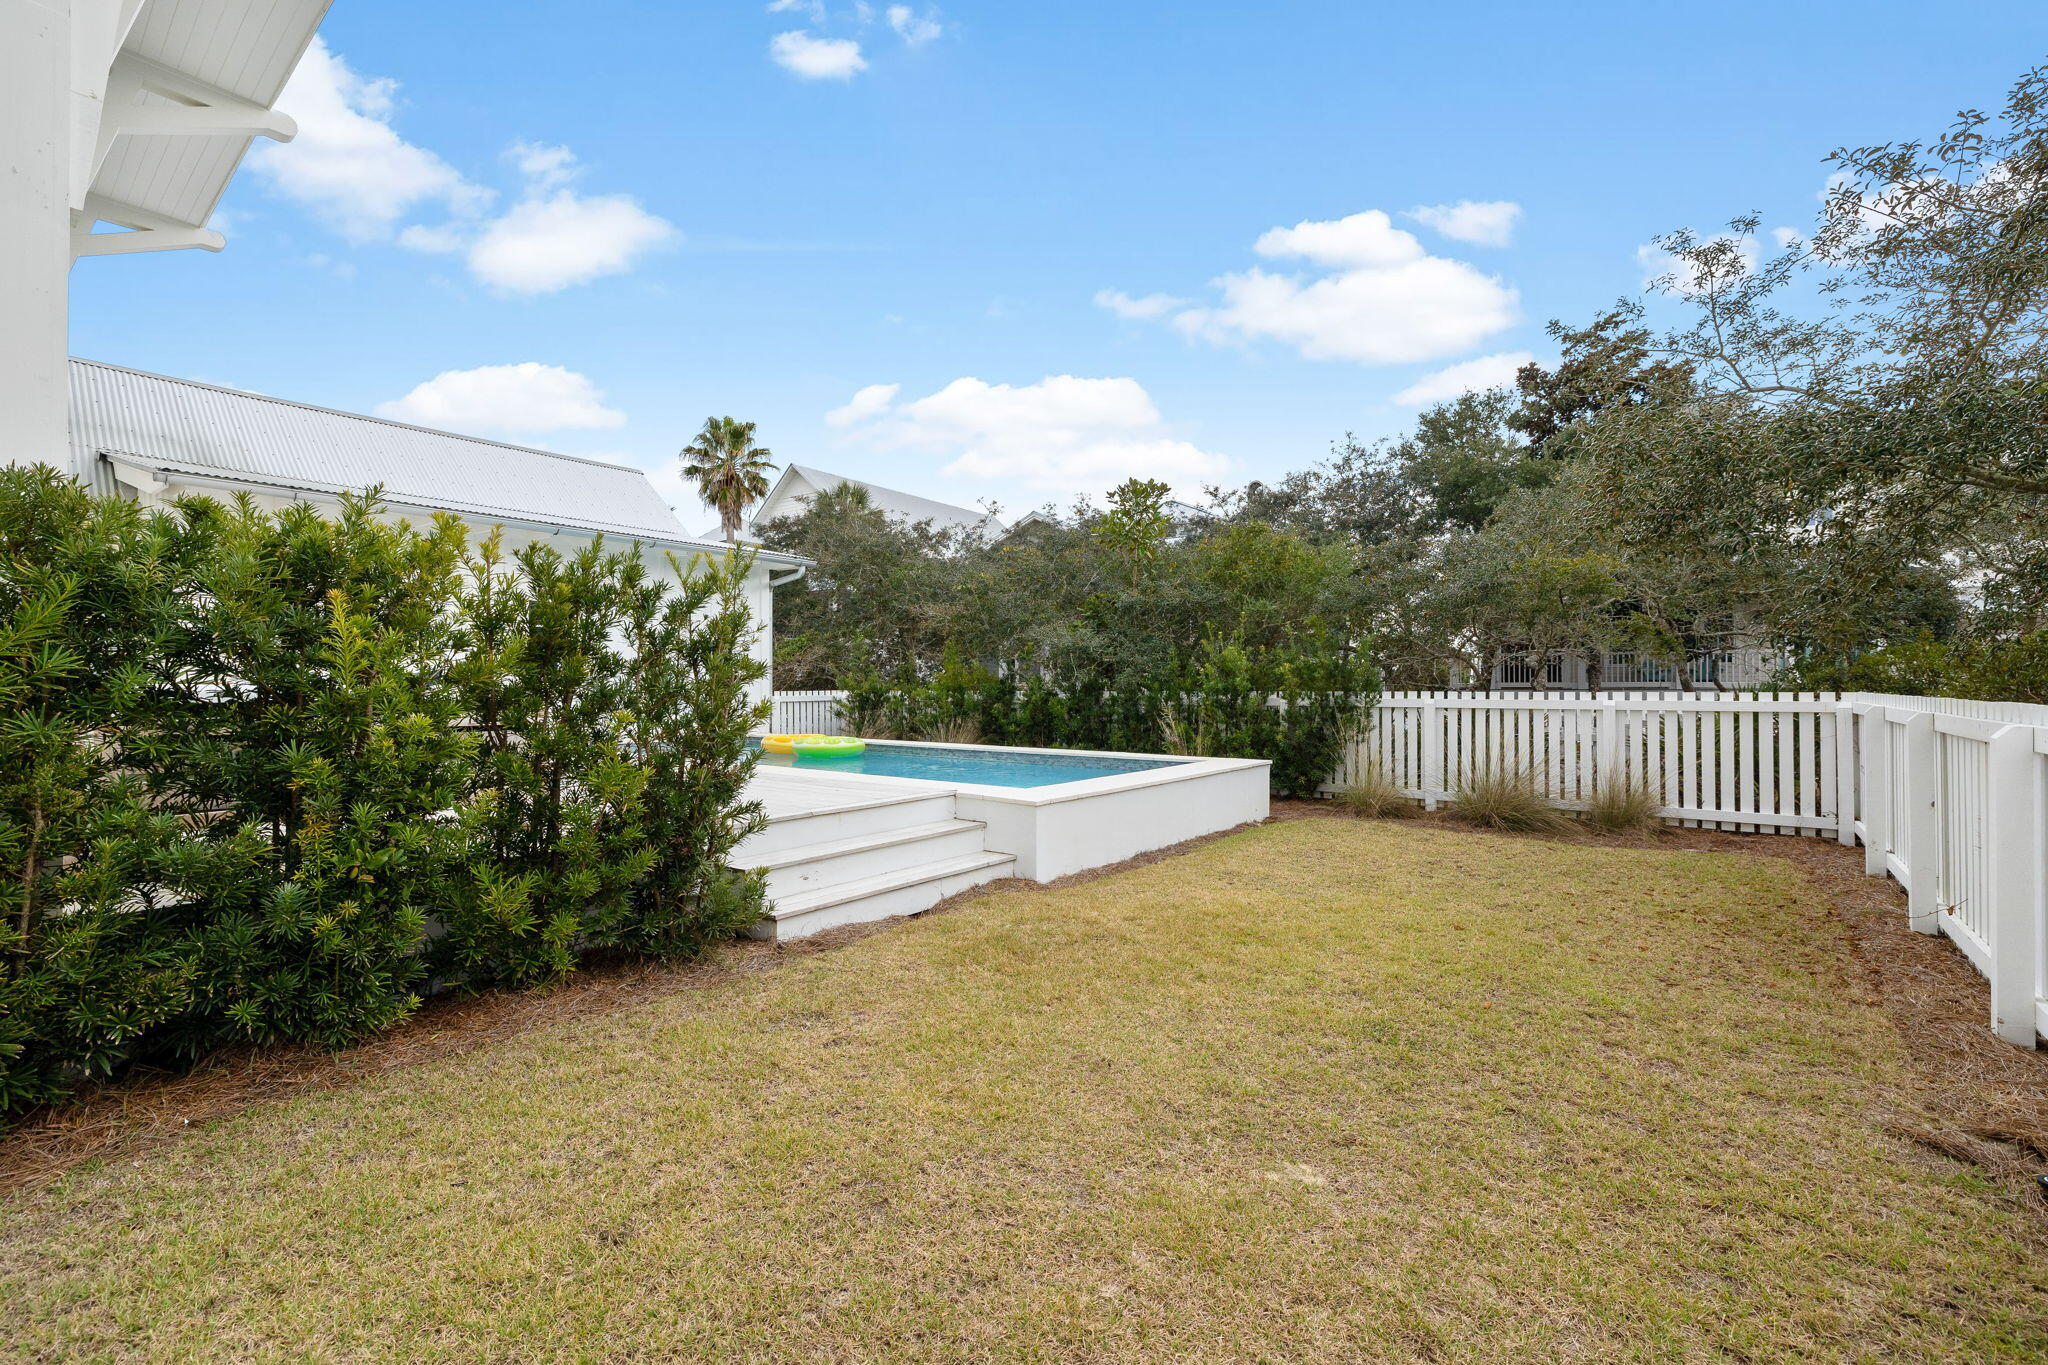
(257, 483)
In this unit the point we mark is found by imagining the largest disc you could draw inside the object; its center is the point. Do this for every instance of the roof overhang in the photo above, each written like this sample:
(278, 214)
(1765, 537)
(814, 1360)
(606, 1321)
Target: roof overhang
(143, 471)
(167, 95)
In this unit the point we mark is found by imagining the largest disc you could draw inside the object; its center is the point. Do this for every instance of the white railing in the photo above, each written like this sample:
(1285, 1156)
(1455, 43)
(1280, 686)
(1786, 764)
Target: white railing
(1947, 796)
(806, 713)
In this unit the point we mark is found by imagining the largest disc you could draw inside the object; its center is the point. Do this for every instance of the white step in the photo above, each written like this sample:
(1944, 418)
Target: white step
(870, 816)
(903, 892)
(809, 867)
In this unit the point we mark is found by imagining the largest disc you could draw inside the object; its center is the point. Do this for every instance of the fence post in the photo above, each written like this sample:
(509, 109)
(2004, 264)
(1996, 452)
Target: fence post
(1432, 757)
(1606, 747)
(1877, 790)
(1921, 822)
(2018, 869)
(1845, 773)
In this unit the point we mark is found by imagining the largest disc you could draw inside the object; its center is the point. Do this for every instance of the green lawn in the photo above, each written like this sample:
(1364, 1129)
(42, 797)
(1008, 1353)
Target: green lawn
(1321, 1091)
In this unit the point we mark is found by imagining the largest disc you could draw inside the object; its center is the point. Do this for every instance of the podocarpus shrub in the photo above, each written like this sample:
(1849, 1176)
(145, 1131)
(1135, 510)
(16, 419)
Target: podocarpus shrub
(554, 826)
(101, 894)
(689, 708)
(310, 702)
(240, 796)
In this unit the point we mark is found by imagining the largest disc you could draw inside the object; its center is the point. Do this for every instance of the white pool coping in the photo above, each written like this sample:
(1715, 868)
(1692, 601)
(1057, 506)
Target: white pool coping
(1067, 827)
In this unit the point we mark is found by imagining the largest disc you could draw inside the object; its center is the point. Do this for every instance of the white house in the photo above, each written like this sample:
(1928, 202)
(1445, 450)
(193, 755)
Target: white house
(133, 115)
(800, 483)
(155, 438)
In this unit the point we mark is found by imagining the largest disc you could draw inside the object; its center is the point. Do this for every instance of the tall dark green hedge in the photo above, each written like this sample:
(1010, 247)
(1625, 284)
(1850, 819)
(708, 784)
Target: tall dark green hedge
(268, 776)
(1298, 705)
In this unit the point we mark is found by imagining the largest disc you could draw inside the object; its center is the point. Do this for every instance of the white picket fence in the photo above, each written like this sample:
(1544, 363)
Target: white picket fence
(1948, 796)
(806, 713)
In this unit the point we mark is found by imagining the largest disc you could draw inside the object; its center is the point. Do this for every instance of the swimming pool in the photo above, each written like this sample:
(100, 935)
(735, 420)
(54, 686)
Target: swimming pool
(982, 767)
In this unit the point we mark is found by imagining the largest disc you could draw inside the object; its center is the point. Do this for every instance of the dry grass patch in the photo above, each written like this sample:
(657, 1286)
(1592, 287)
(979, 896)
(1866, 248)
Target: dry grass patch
(1322, 1091)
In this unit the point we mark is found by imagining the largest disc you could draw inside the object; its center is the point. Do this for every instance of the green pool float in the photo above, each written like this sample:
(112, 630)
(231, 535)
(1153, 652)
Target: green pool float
(827, 746)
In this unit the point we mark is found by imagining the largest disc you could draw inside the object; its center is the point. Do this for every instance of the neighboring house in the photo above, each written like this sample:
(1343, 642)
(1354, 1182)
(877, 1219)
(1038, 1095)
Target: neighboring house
(155, 438)
(800, 483)
(1743, 668)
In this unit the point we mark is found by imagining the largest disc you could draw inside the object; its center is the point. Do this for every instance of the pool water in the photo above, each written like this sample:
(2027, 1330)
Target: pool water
(989, 767)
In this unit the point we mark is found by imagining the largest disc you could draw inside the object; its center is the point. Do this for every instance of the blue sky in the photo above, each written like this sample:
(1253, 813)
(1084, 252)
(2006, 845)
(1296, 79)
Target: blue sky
(992, 250)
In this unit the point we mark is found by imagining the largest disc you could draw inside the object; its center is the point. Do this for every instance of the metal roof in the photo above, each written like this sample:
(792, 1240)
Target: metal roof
(190, 83)
(908, 506)
(180, 426)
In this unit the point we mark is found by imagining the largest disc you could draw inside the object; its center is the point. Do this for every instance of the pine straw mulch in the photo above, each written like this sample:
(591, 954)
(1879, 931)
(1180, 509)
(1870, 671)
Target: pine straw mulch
(1976, 1099)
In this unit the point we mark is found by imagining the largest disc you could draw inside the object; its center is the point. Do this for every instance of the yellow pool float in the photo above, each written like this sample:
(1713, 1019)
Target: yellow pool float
(813, 746)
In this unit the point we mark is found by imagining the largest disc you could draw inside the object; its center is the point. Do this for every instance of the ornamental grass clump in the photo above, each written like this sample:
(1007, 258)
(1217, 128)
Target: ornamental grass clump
(1624, 806)
(1374, 796)
(1509, 799)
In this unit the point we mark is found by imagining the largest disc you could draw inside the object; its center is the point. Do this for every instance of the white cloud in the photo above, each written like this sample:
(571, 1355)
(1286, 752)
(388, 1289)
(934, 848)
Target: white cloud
(351, 169)
(1491, 223)
(1061, 436)
(553, 237)
(817, 59)
(546, 166)
(1383, 301)
(1486, 372)
(1784, 236)
(348, 165)
(1661, 267)
(814, 8)
(550, 243)
(1423, 310)
(1124, 306)
(505, 399)
(1366, 240)
(872, 401)
(912, 28)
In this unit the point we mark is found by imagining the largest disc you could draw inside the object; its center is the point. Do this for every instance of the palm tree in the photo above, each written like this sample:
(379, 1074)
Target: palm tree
(730, 470)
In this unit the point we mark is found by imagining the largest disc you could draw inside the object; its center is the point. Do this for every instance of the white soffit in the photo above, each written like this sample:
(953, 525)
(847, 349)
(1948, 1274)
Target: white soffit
(192, 82)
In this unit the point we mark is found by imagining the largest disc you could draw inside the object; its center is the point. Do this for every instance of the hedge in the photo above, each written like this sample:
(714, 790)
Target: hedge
(1298, 705)
(272, 776)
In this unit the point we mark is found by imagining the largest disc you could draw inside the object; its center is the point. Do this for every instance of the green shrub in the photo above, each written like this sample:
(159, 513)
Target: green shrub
(690, 706)
(1299, 706)
(239, 799)
(553, 829)
(1503, 798)
(101, 894)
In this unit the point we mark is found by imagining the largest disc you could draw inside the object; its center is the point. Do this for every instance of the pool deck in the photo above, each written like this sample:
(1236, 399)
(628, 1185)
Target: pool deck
(790, 793)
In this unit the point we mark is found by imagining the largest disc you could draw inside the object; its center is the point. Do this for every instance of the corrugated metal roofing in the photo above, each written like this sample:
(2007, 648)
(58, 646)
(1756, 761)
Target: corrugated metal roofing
(246, 48)
(181, 426)
(908, 506)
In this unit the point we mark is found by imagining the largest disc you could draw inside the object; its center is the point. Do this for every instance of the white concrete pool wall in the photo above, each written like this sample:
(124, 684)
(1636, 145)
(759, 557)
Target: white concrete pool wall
(1075, 826)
